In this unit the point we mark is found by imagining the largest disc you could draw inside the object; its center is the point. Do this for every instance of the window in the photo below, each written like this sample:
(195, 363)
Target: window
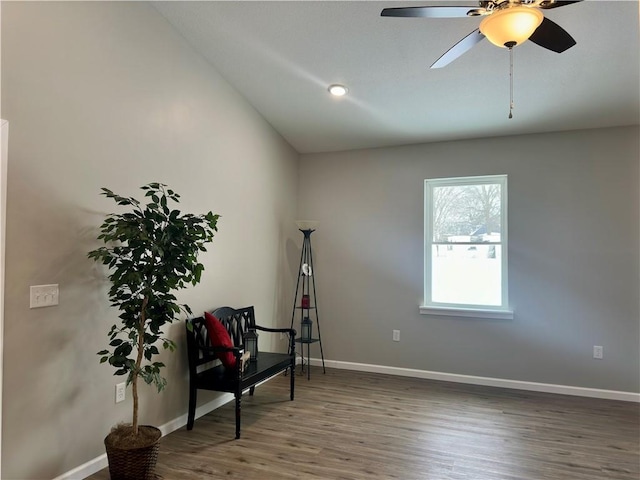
(465, 268)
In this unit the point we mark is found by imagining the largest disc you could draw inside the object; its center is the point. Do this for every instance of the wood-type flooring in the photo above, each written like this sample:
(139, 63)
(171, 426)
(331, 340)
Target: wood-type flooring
(347, 425)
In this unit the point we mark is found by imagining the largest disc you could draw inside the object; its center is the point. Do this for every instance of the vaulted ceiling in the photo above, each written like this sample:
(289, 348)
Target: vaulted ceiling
(281, 56)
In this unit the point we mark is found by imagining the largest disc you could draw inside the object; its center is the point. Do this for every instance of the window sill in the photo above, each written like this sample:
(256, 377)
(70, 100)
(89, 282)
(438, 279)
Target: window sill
(467, 312)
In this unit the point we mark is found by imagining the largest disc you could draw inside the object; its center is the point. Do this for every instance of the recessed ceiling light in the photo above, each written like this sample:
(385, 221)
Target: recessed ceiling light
(337, 90)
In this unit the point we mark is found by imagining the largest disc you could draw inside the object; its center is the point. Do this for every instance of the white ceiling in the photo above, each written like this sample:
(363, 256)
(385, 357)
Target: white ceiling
(281, 56)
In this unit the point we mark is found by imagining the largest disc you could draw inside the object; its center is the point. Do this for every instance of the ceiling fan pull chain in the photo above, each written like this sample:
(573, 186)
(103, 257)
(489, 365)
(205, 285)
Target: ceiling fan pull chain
(510, 82)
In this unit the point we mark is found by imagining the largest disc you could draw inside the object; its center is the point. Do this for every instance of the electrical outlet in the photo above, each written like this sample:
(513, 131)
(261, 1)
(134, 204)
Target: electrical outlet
(598, 352)
(396, 335)
(43, 295)
(120, 389)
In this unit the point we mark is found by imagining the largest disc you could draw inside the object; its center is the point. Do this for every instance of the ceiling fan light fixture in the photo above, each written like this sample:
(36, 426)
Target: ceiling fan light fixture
(511, 26)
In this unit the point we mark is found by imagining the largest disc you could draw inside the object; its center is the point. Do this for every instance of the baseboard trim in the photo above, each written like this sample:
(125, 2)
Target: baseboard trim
(86, 469)
(486, 381)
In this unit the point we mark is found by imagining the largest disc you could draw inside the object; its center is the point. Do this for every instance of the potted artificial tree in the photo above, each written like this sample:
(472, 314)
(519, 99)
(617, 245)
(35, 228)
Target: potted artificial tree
(150, 251)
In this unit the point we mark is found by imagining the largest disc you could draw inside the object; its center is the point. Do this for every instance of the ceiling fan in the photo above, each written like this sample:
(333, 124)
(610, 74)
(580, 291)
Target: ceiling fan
(506, 23)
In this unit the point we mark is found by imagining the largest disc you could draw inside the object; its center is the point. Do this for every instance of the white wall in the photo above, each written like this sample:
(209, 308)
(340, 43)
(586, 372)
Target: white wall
(574, 258)
(107, 94)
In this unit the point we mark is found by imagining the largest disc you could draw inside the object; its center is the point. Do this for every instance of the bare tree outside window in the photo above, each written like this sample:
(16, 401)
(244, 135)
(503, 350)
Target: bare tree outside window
(459, 211)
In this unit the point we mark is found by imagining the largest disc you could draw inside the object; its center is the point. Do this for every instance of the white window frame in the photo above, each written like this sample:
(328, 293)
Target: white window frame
(463, 310)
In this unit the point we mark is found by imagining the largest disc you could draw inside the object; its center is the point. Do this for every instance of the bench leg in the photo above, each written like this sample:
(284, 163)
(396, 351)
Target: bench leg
(238, 411)
(192, 407)
(293, 366)
(251, 390)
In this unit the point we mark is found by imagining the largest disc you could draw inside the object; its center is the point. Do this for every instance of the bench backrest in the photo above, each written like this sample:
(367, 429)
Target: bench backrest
(235, 320)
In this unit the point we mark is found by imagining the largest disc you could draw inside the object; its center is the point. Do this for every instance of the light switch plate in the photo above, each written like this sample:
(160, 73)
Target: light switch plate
(43, 295)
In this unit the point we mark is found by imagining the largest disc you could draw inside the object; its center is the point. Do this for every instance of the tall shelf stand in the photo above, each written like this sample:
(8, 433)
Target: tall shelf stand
(305, 302)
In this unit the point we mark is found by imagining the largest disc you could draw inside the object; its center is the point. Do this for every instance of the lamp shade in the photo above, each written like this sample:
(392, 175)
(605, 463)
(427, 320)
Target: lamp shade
(511, 26)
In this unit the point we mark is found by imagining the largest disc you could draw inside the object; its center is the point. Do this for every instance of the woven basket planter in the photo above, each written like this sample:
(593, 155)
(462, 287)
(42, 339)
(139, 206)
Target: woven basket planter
(133, 463)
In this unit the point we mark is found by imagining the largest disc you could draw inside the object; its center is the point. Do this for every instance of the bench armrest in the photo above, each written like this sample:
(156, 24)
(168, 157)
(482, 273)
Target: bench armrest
(292, 336)
(290, 331)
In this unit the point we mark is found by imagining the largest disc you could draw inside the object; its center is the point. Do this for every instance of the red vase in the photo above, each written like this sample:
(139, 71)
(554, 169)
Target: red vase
(306, 302)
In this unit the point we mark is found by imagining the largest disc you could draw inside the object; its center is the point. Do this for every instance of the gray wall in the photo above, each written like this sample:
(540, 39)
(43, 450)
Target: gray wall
(107, 94)
(573, 258)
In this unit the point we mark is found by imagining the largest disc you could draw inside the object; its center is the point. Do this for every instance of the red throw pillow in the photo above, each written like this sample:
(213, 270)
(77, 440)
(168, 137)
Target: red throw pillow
(220, 338)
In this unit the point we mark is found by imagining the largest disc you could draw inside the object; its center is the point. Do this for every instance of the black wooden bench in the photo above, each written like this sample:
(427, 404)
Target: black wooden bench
(207, 373)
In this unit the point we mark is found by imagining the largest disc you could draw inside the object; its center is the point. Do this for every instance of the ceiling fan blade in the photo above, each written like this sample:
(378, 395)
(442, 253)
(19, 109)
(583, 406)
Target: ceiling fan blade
(552, 36)
(557, 3)
(463, 46)
(428, 12)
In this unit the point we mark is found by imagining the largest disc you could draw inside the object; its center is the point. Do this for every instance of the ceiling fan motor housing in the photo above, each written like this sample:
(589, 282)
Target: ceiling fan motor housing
(495, 5)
